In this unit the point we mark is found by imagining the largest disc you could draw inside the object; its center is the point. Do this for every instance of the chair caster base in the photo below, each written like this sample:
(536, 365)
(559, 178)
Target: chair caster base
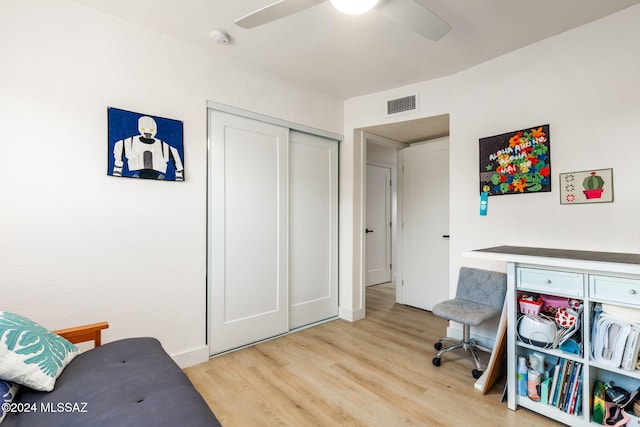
(436, 361)
(438, 346)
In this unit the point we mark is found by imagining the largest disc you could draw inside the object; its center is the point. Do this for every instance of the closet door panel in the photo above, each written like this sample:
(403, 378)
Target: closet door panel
(251, 213)
(248, 237)
(313, 226)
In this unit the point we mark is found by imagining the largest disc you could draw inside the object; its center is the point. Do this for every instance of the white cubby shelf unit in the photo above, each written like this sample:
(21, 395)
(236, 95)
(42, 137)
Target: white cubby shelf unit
(594, 278)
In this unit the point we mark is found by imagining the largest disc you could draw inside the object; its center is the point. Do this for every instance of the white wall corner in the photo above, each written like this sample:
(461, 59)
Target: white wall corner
(351, 315)
(191, 357)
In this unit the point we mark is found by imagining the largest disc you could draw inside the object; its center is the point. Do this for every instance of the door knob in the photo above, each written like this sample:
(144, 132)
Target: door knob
(366, 230)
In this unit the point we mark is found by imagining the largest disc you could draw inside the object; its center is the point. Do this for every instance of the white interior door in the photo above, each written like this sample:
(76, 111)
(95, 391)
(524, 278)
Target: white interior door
(248, 236)
(313, 229)
(425, 250)
(378, 225)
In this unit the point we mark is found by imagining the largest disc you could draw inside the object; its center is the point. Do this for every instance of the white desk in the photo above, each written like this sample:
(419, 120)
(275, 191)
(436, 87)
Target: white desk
(593, 277)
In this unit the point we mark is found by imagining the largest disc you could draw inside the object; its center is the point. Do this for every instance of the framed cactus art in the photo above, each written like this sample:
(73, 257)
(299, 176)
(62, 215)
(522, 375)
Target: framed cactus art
(516, 162)
(590, 186)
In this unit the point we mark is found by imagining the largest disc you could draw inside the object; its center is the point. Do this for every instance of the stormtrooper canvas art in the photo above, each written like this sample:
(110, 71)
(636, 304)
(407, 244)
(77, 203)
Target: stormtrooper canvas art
(144, 146)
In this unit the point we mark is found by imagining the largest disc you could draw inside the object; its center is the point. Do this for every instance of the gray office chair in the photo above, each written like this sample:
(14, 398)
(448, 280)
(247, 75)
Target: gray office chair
(479, 297)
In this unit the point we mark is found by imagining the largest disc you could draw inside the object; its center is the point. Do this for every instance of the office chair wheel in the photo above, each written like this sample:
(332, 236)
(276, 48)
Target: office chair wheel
(436, 361)
(476, 373)
(438, 346)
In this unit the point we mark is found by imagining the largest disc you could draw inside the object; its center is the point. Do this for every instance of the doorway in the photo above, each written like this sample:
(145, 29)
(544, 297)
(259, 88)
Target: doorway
(391, 141)
(378, 225)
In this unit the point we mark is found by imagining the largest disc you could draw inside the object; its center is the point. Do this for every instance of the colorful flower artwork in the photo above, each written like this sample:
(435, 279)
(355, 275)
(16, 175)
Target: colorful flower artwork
(516, 162)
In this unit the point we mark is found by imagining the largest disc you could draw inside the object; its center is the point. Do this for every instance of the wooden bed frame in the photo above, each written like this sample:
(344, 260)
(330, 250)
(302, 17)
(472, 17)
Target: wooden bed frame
(78, 334)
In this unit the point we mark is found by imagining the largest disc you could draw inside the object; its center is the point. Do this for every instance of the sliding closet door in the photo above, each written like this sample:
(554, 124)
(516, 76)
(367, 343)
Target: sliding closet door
(248, 235)
(313, 229)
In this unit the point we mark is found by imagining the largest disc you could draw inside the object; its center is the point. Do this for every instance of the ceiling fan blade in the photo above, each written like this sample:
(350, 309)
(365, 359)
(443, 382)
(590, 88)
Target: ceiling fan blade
(415, 17)
(274, 11)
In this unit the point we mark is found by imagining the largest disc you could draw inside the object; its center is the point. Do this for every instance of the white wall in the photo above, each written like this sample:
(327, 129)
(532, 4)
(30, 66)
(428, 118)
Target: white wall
(76, 245)
(584, 83)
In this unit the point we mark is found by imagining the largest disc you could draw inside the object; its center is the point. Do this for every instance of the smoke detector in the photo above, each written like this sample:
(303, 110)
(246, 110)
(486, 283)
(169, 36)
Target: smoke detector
(220, 37)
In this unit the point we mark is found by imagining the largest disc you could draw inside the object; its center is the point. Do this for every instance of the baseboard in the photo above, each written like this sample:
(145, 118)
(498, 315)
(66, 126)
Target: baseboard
(192, 357)
(351, 315)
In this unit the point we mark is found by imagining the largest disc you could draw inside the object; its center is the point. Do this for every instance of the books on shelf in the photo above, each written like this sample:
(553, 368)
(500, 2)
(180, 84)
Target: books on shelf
(554, 382)
(564, 386)
(573, 388)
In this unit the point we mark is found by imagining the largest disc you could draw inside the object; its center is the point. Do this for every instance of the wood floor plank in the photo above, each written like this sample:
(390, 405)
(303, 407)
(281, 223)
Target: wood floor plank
(374, 372)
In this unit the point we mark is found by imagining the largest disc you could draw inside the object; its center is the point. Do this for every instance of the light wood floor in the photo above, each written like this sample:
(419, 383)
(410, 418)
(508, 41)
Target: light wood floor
(374, 372)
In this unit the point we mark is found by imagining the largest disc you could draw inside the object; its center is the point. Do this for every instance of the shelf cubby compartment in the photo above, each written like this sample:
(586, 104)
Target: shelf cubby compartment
(562, 389)
(574, 336)
(628, 380)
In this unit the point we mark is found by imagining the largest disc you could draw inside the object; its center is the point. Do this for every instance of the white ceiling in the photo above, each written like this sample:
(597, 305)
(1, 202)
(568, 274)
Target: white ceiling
(346, 56)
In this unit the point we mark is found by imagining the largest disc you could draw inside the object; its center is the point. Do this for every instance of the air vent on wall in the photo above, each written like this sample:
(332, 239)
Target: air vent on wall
(400, 105)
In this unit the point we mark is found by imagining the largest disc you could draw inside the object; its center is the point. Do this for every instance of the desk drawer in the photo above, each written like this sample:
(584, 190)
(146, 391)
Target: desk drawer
(615, 289)
(550, 281)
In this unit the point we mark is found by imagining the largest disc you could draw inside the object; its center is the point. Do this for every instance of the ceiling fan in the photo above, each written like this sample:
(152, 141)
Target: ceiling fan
(408, 13)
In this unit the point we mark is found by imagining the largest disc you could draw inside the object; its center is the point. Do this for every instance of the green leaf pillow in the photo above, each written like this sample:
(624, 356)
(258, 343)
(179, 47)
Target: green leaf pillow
(30, 354)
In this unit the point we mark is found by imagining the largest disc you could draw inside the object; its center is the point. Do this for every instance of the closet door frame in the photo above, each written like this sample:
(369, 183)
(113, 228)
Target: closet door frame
(213, 106)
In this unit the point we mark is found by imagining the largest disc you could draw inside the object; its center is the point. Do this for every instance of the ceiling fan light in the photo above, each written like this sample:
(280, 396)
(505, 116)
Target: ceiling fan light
(354, 7)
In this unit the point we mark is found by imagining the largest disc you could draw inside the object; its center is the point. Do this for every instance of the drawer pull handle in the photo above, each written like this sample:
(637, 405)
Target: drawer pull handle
(632, 291)
(547, 281)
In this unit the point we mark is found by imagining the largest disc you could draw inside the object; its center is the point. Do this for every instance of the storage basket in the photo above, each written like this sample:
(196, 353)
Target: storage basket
(554, 301)
(530, 307)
